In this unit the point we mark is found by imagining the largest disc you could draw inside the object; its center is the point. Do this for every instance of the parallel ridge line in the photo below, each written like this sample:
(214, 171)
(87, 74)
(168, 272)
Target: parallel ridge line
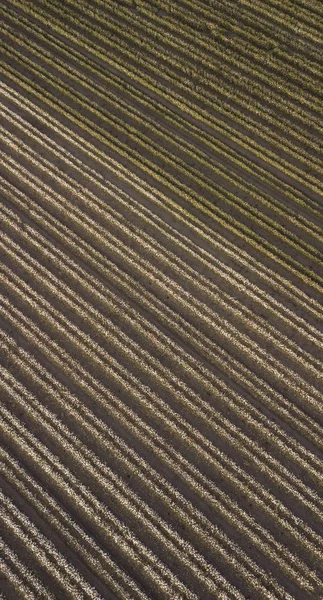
(265, 18)
(231, 225)
(161, 338)
(172, 72)
(117, 169)
(153, 480)
(170, 92)
(42, 549)
(317, 465)
(72, 488)
(275, 406)
(132, 506)
(138, 325)
(239, 566)
(173, 259)
(21, 578)
(265, 199)
(239, 160)
(134, 89)
(53, 513)
(45, 504)
(123, 227)
(222, 215)
(211, 48)
(129, 379)
(204, 51)
(140, 265)
(200, 407)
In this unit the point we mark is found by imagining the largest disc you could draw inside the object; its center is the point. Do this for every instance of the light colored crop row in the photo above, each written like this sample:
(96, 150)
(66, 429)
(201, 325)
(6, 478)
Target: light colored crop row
(135, 511)
(55, 321)
(24, 582)
(162, 332)
(208, 55)
(119, 350)
(195, 406)
(249, 17)
(84, 546)
(176, 121)
(225, 219)
(138, 326)
(93, 284)
(182, 22)
(170, 90)
(238, 313)
(230, 199)
(178, 274)
(232, 555)
(75, 369)
(177, 213)
(39, 547)
(308, 12)
(176, 68)
(72, 492)
(215, 493)
(201, 227)
(267, 200)
(233, 340)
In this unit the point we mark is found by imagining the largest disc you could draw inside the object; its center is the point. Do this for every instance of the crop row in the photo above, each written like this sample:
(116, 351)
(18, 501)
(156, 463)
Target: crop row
(206, 108)
(23, 531)
(228, 273)
(152, 208)
(61, 522)
(217, 535)
(162, 325)
(50, 345)
(180, 270)
(191, 338)
(213, 31)
(169, 245)
(48, 466)
(46, 315)
(141, 50)
(146, 358)
(209, 55)
(146, 107)
(257, 268)
(138, 262)
(18, 581)
(134, 511)
(249, 17)
(225, 219)
(173, 157)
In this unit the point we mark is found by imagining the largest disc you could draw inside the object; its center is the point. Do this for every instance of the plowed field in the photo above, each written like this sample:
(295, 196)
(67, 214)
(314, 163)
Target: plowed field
(161, 299)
